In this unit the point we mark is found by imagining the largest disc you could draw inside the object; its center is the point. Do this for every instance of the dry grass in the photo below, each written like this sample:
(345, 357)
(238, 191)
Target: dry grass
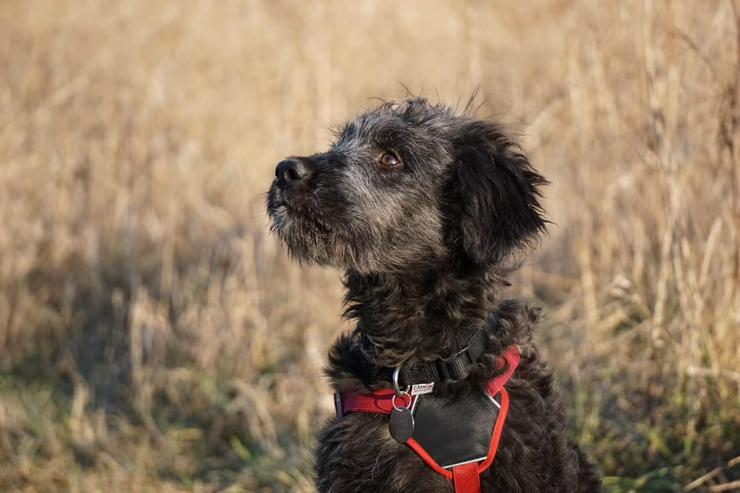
(153, 337)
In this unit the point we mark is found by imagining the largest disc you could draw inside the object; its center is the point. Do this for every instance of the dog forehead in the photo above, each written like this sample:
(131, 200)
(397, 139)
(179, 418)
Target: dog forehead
(395, 123)
(369, 128)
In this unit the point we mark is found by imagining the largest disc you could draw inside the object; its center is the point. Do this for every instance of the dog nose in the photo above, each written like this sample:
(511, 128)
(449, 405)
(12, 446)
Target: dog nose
(291, 171)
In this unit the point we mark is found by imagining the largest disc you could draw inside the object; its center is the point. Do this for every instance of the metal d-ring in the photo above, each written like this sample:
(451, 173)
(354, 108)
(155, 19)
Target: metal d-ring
(397, 388)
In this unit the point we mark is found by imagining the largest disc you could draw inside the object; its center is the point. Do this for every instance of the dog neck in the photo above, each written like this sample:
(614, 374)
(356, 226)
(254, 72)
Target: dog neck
(404, 317)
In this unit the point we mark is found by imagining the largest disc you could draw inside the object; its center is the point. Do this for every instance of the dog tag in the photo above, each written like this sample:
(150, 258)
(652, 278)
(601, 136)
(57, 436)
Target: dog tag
(401, 424)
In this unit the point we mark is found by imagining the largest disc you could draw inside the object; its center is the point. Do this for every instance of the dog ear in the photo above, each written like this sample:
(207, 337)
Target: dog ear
(497, 193)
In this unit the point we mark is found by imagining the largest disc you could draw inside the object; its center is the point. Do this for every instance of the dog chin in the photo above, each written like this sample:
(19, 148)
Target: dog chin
(304, 242)
(311, 241)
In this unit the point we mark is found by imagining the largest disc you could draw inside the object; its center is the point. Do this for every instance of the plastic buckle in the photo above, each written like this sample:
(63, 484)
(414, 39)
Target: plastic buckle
(466, 353)
(444, 366)
(443, 370)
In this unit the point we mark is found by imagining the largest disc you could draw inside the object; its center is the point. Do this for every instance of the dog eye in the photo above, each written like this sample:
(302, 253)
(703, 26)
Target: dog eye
(389, 160)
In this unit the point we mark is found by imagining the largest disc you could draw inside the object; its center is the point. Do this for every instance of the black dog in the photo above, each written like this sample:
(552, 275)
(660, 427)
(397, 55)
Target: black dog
(425, 209)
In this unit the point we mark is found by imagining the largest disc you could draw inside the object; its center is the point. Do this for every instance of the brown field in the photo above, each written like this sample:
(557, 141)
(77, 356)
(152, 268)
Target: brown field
(155, 337)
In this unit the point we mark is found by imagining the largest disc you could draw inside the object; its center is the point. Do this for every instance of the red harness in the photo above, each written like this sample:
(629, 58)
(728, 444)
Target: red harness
(466, 476)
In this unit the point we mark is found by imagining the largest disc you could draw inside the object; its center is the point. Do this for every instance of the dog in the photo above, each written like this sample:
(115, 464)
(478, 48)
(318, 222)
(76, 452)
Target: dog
(427, 210)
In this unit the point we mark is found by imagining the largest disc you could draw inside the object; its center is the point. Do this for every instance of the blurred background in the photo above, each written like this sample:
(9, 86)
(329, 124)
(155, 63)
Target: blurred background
(155, 337)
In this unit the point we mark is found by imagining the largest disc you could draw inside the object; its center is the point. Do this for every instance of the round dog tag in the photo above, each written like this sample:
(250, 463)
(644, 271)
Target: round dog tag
(401, 424)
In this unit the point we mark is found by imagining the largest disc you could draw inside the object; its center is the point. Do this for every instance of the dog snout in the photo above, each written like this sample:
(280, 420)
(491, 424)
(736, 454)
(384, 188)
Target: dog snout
(291, 171)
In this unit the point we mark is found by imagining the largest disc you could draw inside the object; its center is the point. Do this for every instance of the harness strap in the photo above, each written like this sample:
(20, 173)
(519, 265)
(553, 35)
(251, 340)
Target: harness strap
(380, 402)
(492, 450)
(466, 478)
(455, 368)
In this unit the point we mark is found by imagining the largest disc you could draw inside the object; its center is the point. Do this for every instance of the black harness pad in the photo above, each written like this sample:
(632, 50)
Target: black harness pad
(452, 430)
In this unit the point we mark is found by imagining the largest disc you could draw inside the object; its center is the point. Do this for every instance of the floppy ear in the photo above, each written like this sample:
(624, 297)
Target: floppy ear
(497, 194)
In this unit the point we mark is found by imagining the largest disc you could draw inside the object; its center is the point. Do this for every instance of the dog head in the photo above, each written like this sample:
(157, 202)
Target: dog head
(408, 184)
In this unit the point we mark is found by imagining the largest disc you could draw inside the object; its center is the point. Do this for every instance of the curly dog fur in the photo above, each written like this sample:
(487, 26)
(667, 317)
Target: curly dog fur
(425, 209)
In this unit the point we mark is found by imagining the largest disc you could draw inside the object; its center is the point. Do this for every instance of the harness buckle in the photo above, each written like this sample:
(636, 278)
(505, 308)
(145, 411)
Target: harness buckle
(443, 370)
(449, 369)
(466, 353)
